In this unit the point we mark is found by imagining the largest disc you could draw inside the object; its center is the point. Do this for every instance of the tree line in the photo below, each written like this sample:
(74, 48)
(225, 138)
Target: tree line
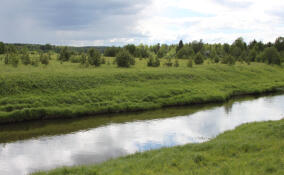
(195, 52)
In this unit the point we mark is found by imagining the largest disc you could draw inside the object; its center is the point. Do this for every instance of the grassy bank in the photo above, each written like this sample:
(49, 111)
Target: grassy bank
(68, 90)
(251, 149)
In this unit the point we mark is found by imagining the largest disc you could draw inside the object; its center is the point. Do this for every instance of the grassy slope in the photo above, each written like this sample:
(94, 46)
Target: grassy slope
(68, 90)
(251, 149)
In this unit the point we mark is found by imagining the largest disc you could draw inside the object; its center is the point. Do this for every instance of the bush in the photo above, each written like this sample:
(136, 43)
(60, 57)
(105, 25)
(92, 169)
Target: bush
(153, 62)
(65, 54)
(7, 59)
(229, 59)
(198, 59)
(35, 61)
(124, 59)
(44, 59)
(185, 52)
(75, 59)
(216, 59)
(94, 57)
(111, 51)
(83, 59)
(272, 56)
(14, 60)
(25, 58)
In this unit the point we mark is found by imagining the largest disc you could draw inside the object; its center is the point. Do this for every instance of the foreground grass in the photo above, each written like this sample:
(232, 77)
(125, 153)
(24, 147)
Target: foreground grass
(68, 90)
(251, 149)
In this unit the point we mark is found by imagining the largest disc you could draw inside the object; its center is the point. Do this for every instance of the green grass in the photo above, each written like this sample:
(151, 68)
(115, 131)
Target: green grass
(250, 149)
(70, 90)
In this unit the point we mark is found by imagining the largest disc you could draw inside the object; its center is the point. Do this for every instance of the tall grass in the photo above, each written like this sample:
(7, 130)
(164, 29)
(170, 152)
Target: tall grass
(71, 90)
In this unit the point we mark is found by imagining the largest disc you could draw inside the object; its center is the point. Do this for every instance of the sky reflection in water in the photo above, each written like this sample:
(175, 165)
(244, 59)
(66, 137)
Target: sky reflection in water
(113, 140)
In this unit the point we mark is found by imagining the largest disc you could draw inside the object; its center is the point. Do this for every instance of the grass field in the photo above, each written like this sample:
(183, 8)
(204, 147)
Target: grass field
(70, 90)
(251, 149)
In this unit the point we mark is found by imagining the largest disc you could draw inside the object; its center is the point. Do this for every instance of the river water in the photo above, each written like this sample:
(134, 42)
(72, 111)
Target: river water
(43, 145)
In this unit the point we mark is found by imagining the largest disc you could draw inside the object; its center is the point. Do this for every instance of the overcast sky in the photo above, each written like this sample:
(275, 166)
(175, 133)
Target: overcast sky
(118, 22)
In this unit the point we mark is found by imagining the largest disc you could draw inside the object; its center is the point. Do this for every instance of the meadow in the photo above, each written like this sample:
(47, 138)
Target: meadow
(67, 90)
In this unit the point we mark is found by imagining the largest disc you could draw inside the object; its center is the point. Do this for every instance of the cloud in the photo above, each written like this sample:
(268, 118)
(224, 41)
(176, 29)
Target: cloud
(64, 21)
(118, 22)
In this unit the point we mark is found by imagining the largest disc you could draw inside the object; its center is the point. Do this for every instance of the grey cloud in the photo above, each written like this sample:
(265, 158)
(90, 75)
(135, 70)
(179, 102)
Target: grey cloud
(40, 21)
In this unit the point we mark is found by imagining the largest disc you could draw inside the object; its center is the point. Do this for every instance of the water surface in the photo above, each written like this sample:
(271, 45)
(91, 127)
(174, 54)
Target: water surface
(34, 146)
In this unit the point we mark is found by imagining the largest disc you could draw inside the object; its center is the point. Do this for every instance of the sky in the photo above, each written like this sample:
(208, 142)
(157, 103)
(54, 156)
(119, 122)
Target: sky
(120, 22)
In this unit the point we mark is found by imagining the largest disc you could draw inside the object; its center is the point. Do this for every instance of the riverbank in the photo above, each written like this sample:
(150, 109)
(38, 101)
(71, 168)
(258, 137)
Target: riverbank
(255, 148)
(68, 90)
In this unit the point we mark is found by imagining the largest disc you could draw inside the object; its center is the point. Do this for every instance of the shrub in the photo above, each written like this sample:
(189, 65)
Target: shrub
(25, 58)
(259, 57)
(83, 59)
(272, 56)
(185, 52)
(111, 51)
(2, 48)
(94, 57)
(35, 61)
(198, 59)
(44, 59)
(216, 59)
(14, 60)
(7, 58)
(229, 59)
(75, 59)
(65, 54)
(124, 59)
(153, 62)
(252, 55)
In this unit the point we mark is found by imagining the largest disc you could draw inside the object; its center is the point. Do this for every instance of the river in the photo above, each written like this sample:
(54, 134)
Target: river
(43, 145)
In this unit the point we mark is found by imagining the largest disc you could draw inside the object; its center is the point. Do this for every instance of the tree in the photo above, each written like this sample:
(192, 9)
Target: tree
(83, 59)
(46, 47)
(272, 56)
(111, 51)
(279, 44)
(44, 58)
(162, 51)
(239, 42)
(2, 48)
(124, 58)
(185, 52)
(64, 54)
(130, 48)
(226, 48)
(252, 54)
(197, 46)
(198, 59)
(180, 45)
(153, 62)
(94, 57)
(26, 58)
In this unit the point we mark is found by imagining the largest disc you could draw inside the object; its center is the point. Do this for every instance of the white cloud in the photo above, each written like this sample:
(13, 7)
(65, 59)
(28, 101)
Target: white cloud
(220, 22)
(112, 22)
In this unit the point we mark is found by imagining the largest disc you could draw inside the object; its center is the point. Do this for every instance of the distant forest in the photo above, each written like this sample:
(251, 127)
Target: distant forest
(198, 51)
